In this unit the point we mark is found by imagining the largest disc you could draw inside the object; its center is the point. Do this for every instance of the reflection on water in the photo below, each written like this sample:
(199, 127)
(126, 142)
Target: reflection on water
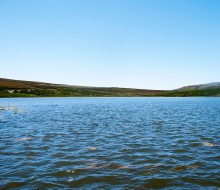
(107, 143)
(24, 139)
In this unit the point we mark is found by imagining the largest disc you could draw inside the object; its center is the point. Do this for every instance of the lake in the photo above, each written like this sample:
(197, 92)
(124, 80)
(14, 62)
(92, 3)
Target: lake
(110, 143)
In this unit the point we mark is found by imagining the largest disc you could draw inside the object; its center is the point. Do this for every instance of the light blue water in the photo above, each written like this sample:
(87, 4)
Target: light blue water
(110, 143)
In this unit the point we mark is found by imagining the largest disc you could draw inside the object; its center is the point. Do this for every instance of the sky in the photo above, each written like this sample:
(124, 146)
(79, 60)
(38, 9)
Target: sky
(147, 44)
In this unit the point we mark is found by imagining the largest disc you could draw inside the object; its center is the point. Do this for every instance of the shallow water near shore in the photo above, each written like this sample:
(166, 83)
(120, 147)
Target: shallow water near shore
(110, 143)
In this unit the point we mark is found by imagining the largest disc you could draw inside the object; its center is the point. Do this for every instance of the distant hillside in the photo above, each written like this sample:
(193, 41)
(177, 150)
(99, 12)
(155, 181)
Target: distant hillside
(20, 84)
(210, 89)
(212, 85)
(18, 88)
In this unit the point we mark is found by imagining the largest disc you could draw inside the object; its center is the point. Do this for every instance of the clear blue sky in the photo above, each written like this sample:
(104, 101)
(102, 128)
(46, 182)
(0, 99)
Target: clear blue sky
(151, 44)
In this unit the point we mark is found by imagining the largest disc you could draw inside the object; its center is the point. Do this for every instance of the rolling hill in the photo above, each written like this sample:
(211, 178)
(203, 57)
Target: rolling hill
(213, 85)
(19, 88)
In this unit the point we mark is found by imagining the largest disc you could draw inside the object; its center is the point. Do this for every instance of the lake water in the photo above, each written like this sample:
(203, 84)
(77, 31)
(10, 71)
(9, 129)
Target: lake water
(110, 143)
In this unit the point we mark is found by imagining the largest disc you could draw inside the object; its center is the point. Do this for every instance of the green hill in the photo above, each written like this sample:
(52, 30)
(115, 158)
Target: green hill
(18, 88)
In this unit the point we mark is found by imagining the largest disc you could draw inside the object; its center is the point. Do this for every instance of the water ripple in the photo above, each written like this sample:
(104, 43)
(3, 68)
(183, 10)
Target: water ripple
(110, 143)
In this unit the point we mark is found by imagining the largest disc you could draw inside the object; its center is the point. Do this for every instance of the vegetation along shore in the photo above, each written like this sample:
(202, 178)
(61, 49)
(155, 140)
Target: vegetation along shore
(18, 88)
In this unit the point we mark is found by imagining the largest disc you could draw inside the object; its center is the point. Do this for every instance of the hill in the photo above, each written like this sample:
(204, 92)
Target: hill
(19, 88)
(213, 85)
(209, 89)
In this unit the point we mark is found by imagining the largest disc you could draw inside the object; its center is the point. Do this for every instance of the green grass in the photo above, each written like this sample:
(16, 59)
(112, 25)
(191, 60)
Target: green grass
(207, 92)
(81, 92)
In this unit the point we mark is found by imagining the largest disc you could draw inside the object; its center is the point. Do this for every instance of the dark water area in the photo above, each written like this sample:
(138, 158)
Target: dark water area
(110, 143)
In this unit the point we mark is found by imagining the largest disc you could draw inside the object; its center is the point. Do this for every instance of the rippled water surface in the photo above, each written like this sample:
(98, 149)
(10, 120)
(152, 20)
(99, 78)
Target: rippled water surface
(110, 143)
